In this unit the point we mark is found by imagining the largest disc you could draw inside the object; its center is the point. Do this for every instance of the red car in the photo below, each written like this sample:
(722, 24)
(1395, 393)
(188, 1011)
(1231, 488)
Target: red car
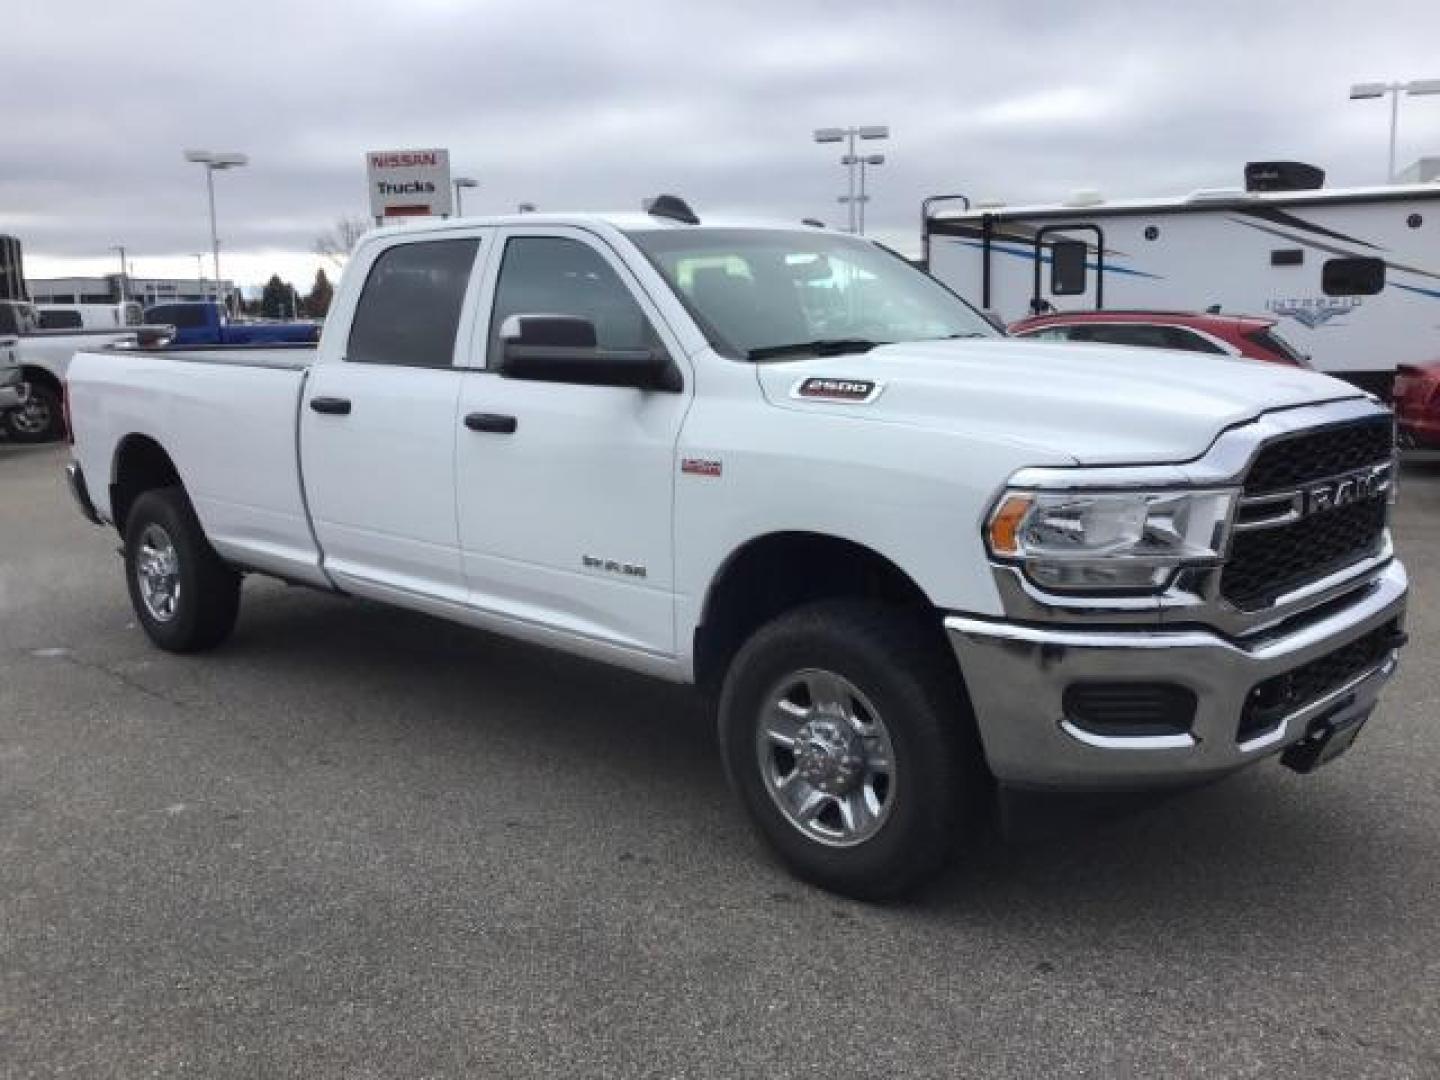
(1209, 332)
(1417, 405)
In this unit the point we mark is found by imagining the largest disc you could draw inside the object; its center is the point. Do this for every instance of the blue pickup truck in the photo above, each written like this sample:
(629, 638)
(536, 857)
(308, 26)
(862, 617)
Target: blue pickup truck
(204, 322)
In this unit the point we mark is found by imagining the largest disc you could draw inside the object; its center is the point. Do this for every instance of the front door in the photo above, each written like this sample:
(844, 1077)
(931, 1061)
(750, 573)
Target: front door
(565, 491)
(377, 426)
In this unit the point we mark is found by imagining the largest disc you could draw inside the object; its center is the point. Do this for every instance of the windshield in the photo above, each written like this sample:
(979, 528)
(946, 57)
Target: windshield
(769, 293)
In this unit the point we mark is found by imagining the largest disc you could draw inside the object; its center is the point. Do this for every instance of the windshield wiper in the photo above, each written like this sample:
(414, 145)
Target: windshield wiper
(823, 347)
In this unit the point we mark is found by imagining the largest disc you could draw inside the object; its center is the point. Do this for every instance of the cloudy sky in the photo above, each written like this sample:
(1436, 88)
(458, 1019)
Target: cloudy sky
(588, 103)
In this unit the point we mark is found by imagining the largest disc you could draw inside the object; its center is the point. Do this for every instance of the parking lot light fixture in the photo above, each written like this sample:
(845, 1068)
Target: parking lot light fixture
(215, 162)
(463, 182)
(1370, 90)
(851, 161)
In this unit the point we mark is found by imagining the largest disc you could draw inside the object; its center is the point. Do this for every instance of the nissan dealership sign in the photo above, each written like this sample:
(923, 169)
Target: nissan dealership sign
(409, 183)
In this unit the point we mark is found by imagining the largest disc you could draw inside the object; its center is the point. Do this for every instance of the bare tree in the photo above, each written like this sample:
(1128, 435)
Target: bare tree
(336, 242)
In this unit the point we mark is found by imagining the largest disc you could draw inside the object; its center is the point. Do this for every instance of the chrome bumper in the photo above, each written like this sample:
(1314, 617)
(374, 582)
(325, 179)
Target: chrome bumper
(1017, 676)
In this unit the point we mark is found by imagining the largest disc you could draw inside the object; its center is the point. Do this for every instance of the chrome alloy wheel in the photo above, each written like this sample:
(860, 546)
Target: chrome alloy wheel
(826, 758)
(157, 571)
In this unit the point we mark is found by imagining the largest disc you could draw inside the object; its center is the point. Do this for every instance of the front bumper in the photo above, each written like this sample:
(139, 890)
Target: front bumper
(1017, 676)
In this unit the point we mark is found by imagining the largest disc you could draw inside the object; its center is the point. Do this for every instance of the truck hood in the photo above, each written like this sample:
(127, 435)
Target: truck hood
(1097, 404)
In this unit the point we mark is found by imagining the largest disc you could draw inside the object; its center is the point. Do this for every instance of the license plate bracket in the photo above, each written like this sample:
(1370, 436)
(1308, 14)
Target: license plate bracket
(1328, 737)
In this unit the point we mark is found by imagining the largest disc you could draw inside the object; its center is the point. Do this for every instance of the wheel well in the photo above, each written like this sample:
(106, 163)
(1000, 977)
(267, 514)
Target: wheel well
(141, 465)
(39, 376)
(772, 574)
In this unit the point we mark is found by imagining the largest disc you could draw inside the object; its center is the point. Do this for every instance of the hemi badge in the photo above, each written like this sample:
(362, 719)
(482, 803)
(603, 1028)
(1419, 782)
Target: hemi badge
(700, 466)
(858, 391)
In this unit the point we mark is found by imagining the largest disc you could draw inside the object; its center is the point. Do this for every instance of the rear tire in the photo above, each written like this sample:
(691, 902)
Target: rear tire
(41, 419)
(183, 594)
(884, 771)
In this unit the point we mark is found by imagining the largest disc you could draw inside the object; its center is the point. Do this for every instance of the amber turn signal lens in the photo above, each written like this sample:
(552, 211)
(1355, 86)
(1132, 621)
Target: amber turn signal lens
(1005, 524)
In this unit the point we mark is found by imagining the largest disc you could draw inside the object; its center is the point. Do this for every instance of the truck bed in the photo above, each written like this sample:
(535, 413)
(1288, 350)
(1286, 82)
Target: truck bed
(228, 417)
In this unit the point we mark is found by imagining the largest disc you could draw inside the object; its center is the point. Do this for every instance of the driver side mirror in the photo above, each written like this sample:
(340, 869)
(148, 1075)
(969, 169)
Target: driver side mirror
(564, 349)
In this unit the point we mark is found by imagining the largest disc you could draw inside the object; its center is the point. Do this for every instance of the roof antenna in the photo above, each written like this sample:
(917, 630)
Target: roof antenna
(672, 207)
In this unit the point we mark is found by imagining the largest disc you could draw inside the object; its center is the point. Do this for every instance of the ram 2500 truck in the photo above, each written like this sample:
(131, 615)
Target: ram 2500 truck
(204, 322)
(910, 557)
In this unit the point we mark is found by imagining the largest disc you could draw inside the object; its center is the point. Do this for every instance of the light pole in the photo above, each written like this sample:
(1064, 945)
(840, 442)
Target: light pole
(848, 135)
(860, 200)
(215, 162)
(121, 249)
(1365, 91)
(460, 183)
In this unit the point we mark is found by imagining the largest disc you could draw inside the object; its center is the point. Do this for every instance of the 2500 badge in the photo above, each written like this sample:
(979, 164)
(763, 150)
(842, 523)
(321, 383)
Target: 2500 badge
(822, 389)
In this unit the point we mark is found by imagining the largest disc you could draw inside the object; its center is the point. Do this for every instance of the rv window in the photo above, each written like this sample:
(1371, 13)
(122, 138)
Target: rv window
(1067, 267)
(1353, 277)
(1287, 257)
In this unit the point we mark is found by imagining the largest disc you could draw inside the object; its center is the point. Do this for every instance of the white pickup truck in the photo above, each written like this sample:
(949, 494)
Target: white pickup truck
(43, 356)
(913, 558)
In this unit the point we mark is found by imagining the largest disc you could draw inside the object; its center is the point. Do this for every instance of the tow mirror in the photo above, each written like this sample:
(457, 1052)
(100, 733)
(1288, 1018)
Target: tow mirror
(564, 349)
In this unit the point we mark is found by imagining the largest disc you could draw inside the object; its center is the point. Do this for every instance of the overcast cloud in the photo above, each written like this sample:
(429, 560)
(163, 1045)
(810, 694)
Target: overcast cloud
(585, 104)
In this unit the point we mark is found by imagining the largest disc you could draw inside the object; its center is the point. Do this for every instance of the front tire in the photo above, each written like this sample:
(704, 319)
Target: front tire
(41, 419)
(184, 596)
(845, 731)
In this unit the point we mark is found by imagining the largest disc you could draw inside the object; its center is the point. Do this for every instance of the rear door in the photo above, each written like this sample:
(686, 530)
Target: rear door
(378, 424)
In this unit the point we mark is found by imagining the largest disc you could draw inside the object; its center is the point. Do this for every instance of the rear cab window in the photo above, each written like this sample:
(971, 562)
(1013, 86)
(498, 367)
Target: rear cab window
(180, 316)
(61, 320)
(409, 309)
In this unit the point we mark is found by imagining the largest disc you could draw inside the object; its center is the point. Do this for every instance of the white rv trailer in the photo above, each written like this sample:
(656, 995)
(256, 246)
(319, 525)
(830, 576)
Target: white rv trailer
(1310, 257)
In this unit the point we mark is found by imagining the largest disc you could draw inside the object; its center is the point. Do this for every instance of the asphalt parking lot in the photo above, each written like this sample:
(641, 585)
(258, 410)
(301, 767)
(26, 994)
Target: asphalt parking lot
(356, 842)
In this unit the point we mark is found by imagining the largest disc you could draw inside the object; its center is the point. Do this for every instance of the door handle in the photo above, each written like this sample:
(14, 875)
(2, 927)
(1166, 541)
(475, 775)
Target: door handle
(335, 406)
(492, 422)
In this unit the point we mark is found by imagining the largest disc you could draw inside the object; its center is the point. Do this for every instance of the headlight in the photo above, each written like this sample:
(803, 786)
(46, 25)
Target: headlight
(1109, 541)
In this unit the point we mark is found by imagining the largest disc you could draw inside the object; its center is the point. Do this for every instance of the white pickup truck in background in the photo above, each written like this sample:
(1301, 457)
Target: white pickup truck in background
(44, 356)
(913, 558)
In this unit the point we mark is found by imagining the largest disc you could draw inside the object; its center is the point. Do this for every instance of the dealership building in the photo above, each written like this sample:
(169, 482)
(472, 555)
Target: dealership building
(107, 289)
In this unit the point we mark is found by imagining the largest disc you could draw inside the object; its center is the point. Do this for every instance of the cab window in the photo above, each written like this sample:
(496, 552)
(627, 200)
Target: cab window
(554, 275)
(180, 316)
(60, 319)
(409, 309)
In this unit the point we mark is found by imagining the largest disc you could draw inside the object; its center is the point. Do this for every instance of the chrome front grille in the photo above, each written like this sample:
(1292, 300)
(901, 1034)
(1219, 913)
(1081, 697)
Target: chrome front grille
(1314, 502)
